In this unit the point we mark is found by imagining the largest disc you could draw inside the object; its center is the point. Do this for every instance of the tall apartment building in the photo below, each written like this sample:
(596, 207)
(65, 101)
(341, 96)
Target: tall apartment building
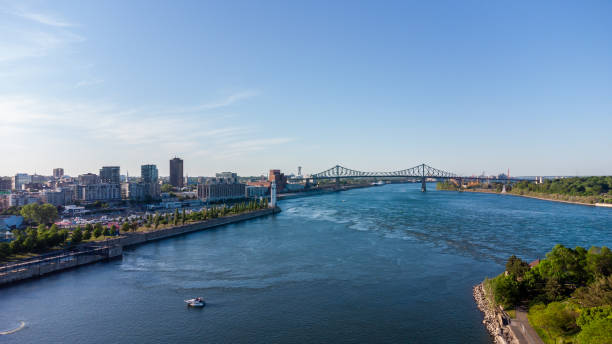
(88, 178)
(58, 173)
(20, 179)
(176, 172)
(110, 174)
(150, 178)
(149, 173)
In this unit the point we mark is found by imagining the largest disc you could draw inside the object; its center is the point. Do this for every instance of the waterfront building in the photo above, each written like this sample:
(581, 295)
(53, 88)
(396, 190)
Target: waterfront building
(256, 191)
(279, 178)
(20, 179)
(99, 192)
(110, 174)
(88, 178)
(176, 172)
(221, 192)
(58, 173)
(290, 187)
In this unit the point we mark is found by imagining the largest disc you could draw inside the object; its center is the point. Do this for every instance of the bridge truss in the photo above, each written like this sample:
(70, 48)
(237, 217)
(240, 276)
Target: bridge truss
(420, 171)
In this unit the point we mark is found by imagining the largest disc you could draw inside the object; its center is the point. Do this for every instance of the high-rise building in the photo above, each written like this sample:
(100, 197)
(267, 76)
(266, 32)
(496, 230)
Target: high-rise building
(176, 172)
(149, 176)
(149, 173)
(110, 175)
(58, 173)
(20, 179)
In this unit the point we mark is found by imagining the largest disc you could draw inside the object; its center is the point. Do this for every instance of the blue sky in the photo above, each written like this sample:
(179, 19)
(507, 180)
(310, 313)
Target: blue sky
(464, 86)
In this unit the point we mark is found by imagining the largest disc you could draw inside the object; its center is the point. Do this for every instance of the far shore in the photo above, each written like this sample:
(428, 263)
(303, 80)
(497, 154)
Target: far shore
(534, 197)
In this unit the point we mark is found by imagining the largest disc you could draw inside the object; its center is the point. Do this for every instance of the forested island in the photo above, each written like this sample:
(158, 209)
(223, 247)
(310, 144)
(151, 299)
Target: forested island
(587, 190)
(568, 294)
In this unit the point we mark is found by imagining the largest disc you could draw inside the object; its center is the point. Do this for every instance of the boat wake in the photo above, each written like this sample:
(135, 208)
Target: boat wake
(19, 328)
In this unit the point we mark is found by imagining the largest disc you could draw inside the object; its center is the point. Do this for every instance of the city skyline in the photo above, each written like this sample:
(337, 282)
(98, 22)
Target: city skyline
(463, 87)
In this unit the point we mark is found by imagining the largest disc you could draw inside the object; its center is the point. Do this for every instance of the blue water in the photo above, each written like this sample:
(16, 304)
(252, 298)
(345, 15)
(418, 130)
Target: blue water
(386, 264)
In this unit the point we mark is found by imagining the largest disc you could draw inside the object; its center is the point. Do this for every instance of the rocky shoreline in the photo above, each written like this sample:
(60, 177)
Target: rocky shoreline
(496, 322)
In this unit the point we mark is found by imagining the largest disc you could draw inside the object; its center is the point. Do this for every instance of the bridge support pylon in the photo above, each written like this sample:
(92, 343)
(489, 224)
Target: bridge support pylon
(423, 185)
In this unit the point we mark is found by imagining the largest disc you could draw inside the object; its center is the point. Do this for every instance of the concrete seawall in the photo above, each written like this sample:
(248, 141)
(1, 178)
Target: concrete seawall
(113, 248)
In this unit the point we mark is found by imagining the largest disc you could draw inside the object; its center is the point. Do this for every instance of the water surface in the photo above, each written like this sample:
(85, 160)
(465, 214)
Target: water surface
(383, 264)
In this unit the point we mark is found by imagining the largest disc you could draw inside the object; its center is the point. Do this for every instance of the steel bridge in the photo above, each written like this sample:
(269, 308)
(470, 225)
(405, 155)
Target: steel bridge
(422, 172)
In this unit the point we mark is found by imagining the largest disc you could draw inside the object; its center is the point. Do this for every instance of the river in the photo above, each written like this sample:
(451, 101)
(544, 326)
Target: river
(384, 264)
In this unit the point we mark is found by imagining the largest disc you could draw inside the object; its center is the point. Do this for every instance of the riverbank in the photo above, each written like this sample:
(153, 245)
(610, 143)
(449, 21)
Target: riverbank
(87, 254)
(534, 197)
(496, 322)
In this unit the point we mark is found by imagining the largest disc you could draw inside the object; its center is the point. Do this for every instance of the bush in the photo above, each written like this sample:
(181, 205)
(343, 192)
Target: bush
(589, 315)
(597, 332)
(556, 319)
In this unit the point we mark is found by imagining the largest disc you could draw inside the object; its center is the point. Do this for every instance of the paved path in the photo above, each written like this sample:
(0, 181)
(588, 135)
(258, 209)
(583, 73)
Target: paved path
(521, 326)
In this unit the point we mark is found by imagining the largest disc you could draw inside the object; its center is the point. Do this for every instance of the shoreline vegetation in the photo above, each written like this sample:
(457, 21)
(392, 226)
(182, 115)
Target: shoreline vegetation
(592, 191)
(568, 295)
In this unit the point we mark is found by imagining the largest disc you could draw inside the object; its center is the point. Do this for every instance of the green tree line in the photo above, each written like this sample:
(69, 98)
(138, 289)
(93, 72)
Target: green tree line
(570, 293)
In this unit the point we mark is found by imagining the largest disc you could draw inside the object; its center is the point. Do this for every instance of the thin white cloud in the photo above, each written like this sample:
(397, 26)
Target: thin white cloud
(207, 135)
(88, 82)
(43, 18)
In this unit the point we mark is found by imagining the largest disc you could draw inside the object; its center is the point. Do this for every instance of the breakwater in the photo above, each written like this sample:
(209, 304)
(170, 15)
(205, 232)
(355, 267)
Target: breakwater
(495, 320)
(112, 248)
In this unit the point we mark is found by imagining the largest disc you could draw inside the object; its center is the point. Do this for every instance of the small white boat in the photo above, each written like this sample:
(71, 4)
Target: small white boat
(196, 302)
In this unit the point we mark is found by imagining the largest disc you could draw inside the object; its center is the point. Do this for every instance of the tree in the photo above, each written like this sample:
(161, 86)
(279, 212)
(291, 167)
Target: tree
(506, 290)
(597, 332)
(598, 293)
(183, 217)
(5, 250)
(97, 232)
(516, 267)
(599, 262)
(166, 188)
(37, 213)
(63, 234)
(125, 227)
(175, 216)
(77, 236)
(86, 235)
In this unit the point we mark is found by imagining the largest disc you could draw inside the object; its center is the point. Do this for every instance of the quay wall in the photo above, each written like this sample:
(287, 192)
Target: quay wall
(113, 248)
